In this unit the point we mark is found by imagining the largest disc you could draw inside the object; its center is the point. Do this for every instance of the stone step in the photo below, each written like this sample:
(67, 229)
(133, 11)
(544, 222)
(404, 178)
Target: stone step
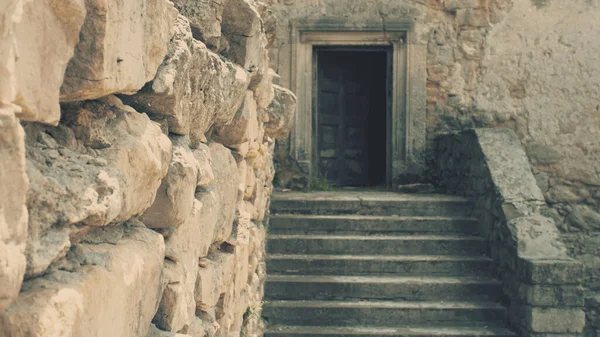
(376, 244)
(408, 265)
(310, 287)
(369, 331)
(370, 203)
(365, 224)
(384, 313)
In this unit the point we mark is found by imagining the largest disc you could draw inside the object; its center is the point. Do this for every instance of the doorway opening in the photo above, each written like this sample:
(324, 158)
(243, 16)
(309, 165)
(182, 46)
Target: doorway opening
(351, 115)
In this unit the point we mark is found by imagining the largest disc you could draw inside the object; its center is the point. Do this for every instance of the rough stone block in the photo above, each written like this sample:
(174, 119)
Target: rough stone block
(262, 85)
(270, 22)
(13, 212)
(205, 19)
(566, 271)
(175, 196)
(592, 308)
(244, 126)
(194, 87)
(508, 165)
(250, 186)
(554, 320)
(225, 188)
(185, 245)
(155, 332)
(114, 275)
(551, 296)
(37, 40)
(470, 17)
(214, 278)
(460, 4)
(103, 165)
(279, 116)
(242, 26)
(121, 46)
(535, 237)
(532, 334)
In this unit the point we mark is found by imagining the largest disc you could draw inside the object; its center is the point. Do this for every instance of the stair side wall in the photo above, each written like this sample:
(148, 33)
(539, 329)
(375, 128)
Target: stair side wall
(541, 282)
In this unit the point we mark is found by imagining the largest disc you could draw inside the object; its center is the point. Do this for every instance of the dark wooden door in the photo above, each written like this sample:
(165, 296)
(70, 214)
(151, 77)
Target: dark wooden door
(344, 99)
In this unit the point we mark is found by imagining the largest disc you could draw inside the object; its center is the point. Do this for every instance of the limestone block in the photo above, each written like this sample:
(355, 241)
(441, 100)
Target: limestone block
(584, 218)
(592, 307)
(116, 278)
(508, 164)
(280, 113)
(551, 296)
(554, 320)
(563, 271)
(244, 126)
(185, 245)
(264, 184)
(242, 172)
(250, 188)
(156, 332)
(121, 46)
(540, 154)
(225, 187)
(479, 18)
(214, 278)
(460, 4)
(472, 43)
(269, 22)
(205, 19)
(242, 26)
(205, 172)
(35, 34)
(232, 313)
(256, 249)
(241, 241)
(193, 87)
(103, 165)
(205, 325)
(536, 237)
(262, 84)
(13, 211)
(175, 196)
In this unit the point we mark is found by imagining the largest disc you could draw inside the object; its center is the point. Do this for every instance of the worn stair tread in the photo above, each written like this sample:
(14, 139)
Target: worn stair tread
(398, 218)
(382, 279)
(380, 257)
(449, 237)
(437, 305)
(365, 196)
(371, 224)
(390, 331)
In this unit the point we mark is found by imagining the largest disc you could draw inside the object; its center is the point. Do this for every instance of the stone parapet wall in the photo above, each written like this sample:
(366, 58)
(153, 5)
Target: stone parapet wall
(541, 282)
(136, 166)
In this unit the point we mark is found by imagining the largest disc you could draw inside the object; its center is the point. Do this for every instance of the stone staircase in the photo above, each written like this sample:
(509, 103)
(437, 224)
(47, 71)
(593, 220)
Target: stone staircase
(378, 264)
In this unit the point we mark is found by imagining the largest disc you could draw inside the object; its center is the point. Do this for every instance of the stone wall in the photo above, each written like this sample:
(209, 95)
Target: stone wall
(542, 284)
(529, 65)
(136, 146)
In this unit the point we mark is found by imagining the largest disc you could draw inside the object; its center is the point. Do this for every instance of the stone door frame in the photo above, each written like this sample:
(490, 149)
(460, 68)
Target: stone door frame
(408, 95)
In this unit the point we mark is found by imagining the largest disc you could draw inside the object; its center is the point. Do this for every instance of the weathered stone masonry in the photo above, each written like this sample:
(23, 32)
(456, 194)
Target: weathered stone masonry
(136, 150)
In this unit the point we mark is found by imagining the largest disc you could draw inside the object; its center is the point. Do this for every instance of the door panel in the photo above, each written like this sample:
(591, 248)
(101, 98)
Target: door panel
(344, 99)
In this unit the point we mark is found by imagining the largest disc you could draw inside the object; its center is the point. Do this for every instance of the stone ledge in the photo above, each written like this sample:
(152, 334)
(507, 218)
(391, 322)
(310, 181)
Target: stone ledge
(567, 271)
(551, 296)
(552, 320)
